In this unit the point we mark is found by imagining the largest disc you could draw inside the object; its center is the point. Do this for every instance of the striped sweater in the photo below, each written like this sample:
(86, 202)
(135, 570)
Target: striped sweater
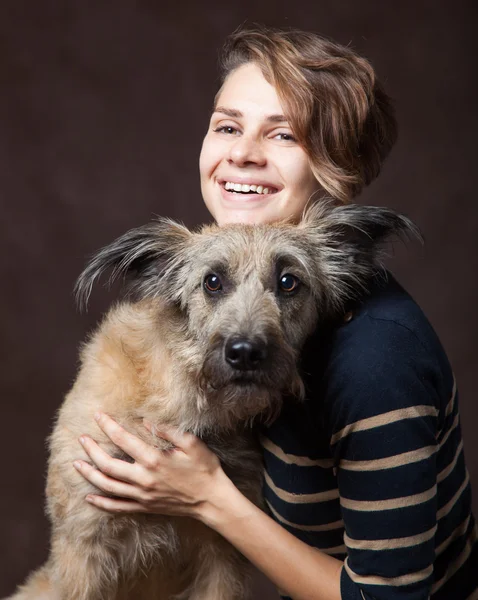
(370, 468)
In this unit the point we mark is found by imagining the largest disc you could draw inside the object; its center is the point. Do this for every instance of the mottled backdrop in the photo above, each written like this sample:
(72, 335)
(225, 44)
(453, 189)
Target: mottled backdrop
(102, 109)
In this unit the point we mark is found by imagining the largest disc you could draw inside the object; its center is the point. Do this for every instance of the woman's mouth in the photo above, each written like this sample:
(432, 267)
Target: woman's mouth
(248, 188)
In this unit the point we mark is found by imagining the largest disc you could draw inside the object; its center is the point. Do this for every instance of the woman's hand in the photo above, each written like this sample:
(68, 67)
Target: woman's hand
(177, 481)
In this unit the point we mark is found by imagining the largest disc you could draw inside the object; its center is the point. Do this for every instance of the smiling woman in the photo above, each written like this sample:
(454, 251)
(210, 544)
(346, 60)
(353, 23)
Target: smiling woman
(250, 143)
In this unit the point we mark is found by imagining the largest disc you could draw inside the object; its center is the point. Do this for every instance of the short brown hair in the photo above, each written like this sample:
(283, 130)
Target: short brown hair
(335, 105)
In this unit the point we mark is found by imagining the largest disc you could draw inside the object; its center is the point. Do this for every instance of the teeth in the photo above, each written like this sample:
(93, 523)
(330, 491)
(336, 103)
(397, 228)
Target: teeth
(246, 188)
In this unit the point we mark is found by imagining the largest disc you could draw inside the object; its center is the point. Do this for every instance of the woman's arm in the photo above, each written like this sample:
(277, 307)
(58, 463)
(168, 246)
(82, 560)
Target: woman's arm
(189, 480)
(298, 570)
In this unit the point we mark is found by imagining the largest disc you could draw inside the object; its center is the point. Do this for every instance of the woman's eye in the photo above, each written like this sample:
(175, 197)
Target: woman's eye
(289, 283)
(286, 137)
(212, 283)
(228, 129)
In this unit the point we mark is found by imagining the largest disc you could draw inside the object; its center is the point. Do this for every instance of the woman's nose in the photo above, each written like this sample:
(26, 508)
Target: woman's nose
(247, 150)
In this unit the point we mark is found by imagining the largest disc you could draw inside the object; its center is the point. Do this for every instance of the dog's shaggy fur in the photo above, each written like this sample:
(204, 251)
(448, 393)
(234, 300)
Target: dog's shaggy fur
(165, 355)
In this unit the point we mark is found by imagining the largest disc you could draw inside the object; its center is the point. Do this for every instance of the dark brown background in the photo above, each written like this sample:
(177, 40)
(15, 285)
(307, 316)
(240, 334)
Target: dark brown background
(102, 109)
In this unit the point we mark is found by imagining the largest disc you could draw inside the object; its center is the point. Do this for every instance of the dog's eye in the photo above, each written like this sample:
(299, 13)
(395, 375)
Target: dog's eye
(289, 283)
(212, 283)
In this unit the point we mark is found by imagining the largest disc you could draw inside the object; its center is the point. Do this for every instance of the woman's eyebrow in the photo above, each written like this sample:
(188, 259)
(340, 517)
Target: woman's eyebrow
(237, 114)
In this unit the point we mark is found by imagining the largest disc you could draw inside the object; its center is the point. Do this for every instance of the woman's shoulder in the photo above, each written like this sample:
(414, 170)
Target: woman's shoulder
(386, 322)
(385, 355)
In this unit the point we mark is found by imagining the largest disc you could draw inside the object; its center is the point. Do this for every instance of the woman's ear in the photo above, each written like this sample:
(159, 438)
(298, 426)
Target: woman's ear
(143, 256)
(349, 244)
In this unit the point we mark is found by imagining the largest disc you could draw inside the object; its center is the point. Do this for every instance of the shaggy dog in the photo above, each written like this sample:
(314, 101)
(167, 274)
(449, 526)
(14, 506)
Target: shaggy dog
(208, 340)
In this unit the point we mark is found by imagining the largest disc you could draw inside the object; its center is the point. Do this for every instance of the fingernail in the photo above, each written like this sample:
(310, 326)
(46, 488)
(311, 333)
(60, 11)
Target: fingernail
(89, 499)
(147, 424)
(77, 464)
(97, 416)
(82, 439)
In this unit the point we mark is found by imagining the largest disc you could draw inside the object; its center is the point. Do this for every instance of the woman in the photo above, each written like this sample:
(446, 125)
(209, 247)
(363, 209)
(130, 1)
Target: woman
(366, 482)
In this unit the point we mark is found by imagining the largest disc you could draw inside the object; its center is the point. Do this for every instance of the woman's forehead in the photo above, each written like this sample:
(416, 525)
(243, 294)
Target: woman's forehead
(246, 90)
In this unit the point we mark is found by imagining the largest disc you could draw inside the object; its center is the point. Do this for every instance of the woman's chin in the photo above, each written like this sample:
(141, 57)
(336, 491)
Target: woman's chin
(249, 216)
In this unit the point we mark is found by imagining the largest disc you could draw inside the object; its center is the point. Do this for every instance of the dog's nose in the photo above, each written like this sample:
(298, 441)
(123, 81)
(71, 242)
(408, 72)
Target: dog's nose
(244, 355)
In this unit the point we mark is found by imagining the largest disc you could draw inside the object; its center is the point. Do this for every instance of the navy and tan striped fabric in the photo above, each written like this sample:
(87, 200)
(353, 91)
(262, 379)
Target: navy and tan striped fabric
(370, 468)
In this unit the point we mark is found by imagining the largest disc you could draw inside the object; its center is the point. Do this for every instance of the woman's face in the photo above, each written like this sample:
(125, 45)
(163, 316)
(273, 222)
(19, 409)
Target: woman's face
(252, 169)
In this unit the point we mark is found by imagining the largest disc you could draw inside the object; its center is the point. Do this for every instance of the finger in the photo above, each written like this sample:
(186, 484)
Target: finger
(118, 469)
(115, 505)
(104, 483)
(181, 440)
(138, 450)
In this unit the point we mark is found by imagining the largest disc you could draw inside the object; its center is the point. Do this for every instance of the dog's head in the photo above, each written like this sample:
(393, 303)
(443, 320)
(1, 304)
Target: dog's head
(251, 295)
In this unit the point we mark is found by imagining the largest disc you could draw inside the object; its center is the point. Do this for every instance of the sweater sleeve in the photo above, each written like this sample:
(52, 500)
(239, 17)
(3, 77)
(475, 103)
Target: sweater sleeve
(382, 412)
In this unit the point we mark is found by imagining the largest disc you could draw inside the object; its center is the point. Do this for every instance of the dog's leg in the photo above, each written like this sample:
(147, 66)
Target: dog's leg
(85, 570)
(87, 544)
(222, 573)
(101, 556)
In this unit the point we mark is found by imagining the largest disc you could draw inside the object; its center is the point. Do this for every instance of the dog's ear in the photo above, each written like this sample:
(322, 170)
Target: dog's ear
(145, 256)
(349, 244)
